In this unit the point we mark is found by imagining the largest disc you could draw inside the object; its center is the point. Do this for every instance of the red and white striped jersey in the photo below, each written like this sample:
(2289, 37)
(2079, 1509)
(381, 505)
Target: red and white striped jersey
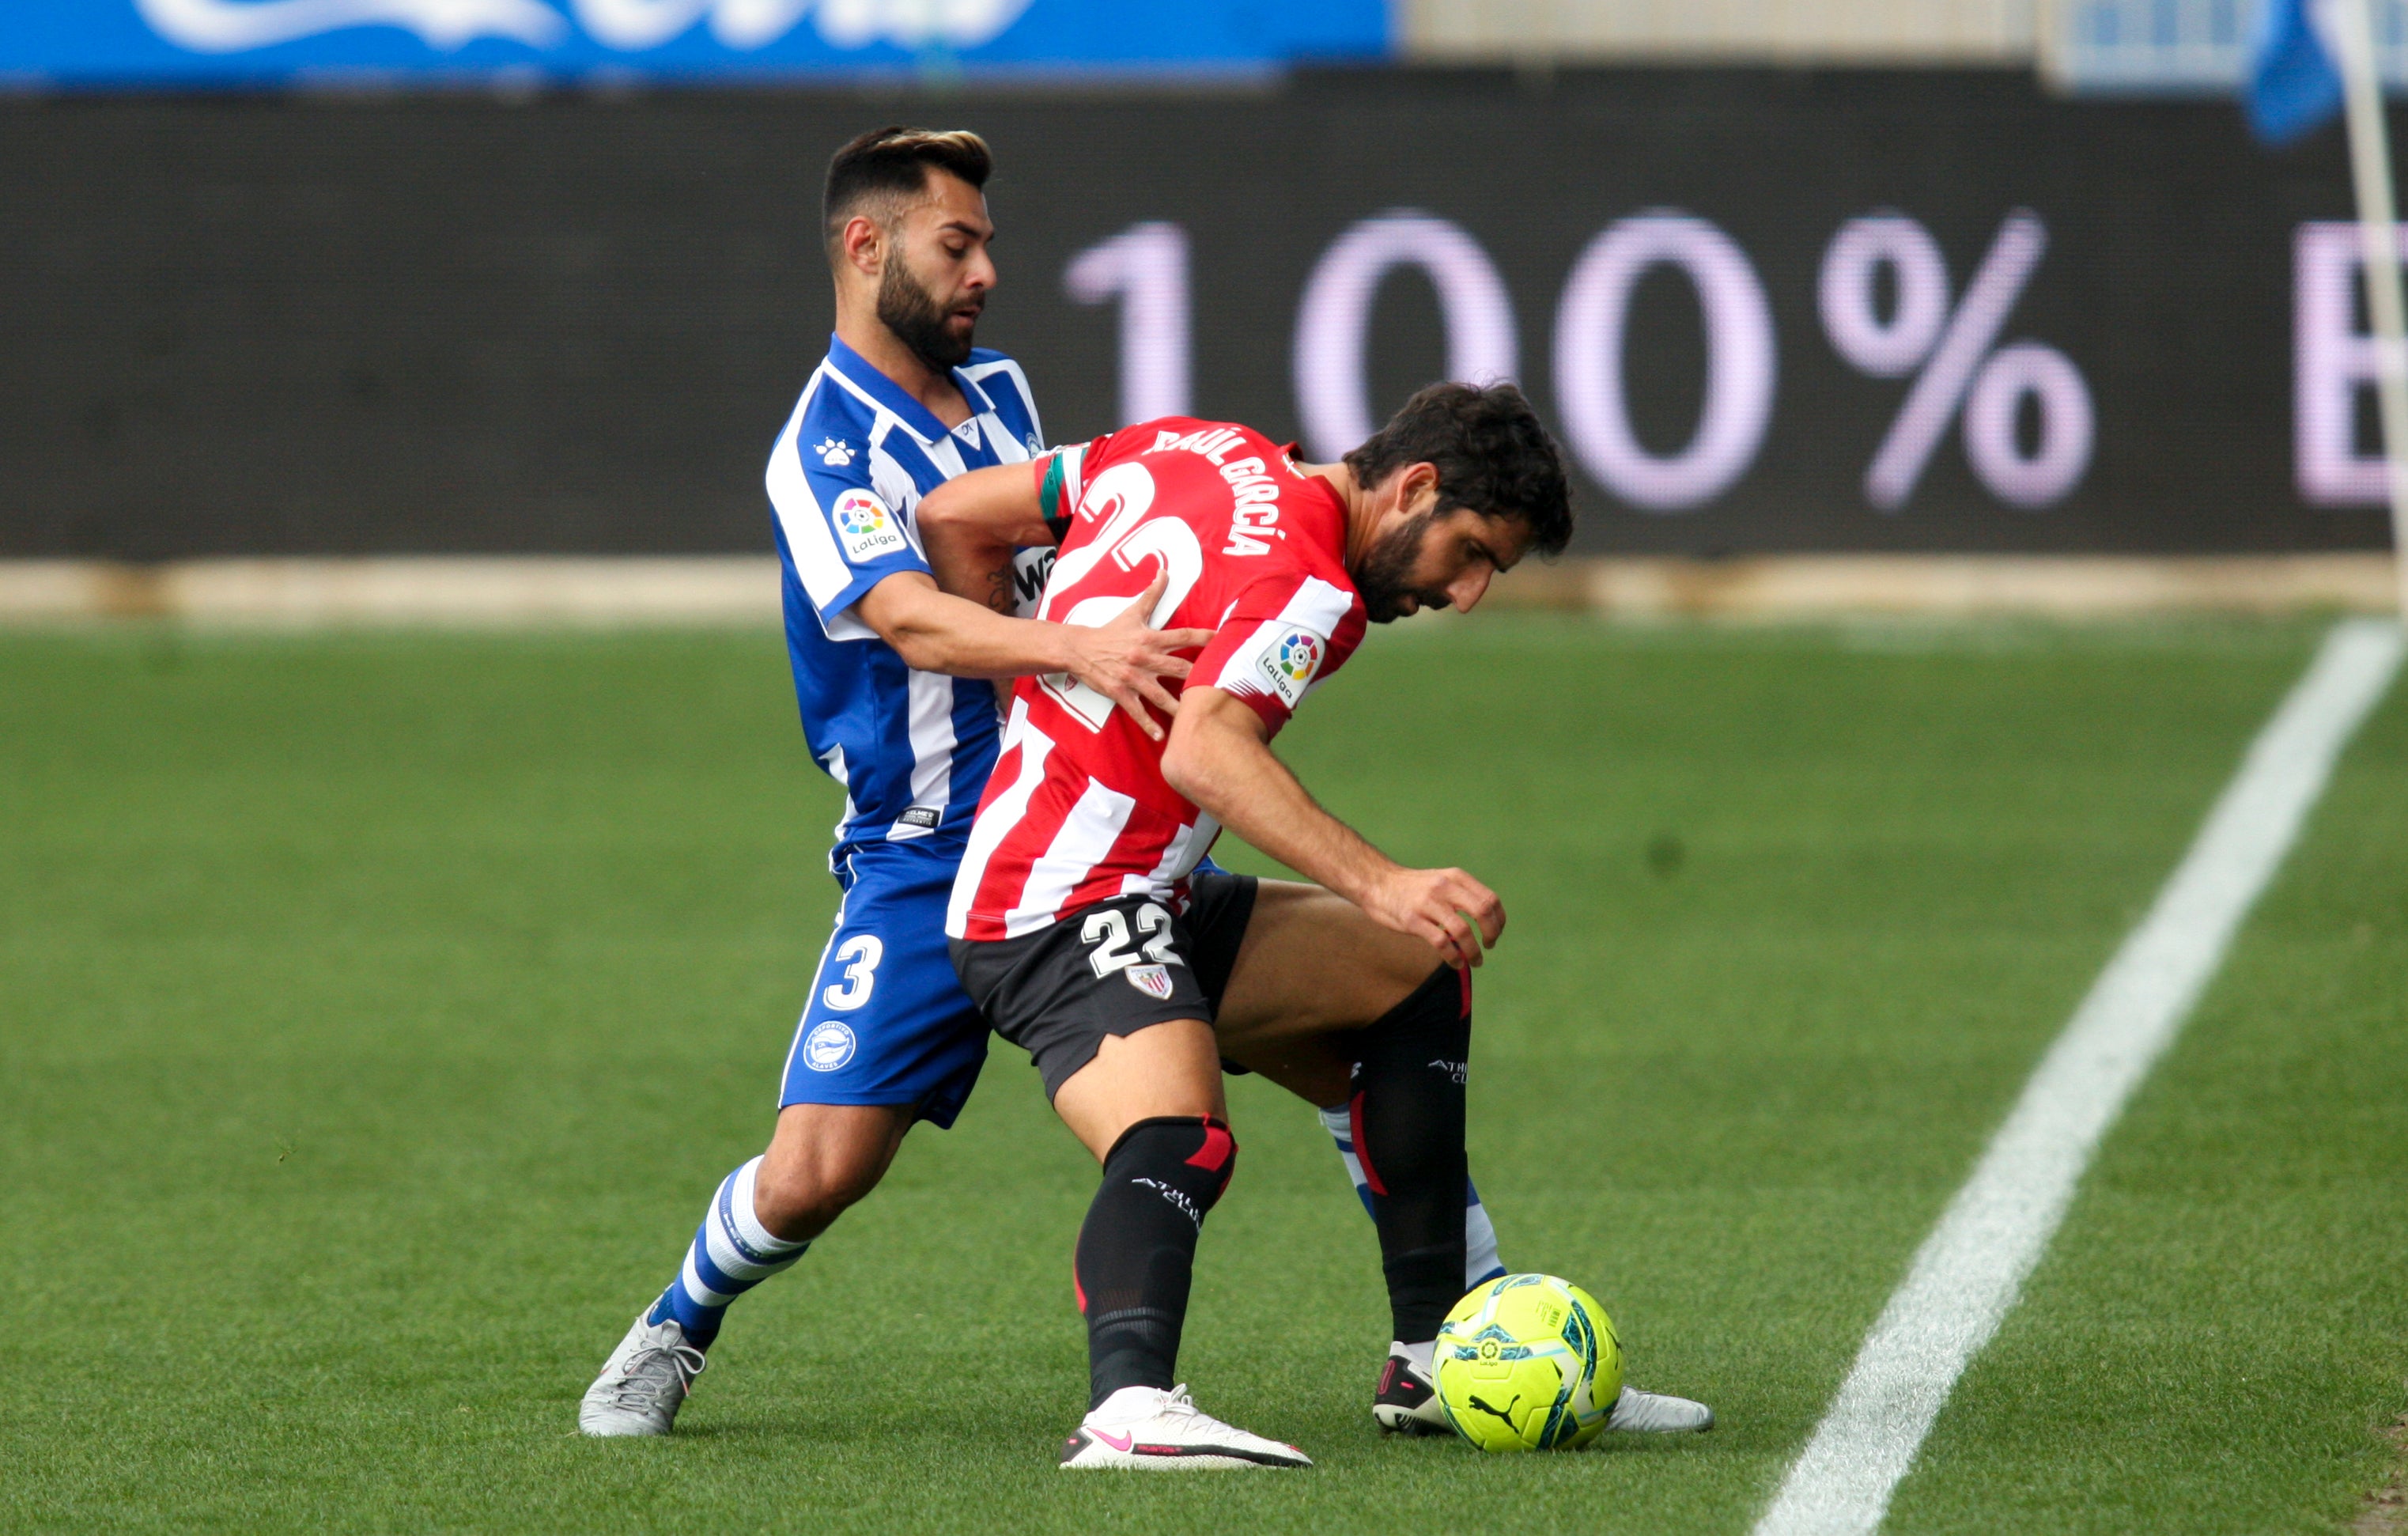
(1077, 811)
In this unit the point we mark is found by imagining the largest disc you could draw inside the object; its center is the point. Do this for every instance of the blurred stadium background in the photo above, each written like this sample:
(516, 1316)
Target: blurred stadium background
(375, 1004)
(497, 277)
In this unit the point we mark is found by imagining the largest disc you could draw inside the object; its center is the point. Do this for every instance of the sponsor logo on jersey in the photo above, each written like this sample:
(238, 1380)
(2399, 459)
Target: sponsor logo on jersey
(919, 815)
(1153, 981)
(1288, 663)
(828, 1047)
(1029, 570)
(866, 527)
(834, 451)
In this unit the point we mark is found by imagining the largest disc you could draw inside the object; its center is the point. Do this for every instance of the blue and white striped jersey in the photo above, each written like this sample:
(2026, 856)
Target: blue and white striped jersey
(911, 749)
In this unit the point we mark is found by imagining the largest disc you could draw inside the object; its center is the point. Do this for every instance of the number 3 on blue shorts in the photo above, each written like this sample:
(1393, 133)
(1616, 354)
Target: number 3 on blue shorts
(859, 956)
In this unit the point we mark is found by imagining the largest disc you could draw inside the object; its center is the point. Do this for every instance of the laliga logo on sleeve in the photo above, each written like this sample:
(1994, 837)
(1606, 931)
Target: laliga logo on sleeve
(1289, 664)
(865, 526)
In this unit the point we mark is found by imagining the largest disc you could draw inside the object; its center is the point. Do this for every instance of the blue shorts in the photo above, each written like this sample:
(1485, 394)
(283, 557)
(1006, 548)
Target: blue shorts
(888, 1022)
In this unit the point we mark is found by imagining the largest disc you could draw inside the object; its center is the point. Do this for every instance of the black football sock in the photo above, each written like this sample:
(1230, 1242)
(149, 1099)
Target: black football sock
(1138, 1247)
(1407, 1123)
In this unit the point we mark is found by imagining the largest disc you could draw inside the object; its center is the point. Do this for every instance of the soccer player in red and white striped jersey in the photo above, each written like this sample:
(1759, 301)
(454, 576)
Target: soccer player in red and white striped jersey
(1250, 546)
(1081, 925)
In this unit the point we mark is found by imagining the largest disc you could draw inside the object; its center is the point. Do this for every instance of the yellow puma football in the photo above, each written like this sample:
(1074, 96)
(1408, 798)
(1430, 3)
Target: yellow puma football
(1529, 1363)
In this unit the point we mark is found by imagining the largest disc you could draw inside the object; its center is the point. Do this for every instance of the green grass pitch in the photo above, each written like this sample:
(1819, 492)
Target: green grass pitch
(377, 1012)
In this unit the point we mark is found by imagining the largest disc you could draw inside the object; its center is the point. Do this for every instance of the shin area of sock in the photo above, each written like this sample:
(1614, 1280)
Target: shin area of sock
(1137, 1249)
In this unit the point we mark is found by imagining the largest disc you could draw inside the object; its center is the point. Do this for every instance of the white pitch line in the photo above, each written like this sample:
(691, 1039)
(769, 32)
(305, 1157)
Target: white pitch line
(1966, 1273)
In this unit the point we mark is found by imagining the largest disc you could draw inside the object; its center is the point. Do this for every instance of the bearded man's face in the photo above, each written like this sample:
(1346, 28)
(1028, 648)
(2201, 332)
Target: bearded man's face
(939, 328)
(937, 272)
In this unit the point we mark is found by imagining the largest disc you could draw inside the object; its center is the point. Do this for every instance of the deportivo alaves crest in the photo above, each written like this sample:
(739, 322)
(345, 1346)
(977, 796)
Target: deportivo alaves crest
(235, 26)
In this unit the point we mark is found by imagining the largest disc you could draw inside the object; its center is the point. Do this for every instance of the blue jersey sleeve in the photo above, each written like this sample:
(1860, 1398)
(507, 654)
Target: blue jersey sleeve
(843, 532)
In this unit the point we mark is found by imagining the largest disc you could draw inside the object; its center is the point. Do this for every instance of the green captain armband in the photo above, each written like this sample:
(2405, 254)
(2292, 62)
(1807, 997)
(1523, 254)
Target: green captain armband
(1048, 497)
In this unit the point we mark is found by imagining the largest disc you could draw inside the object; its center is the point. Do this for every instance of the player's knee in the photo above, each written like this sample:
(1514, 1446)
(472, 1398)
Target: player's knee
(1194, 1155)
(802, 1206)
(1429, 1032)
(799, 1195)
(1411, 979)
(1437, 1008)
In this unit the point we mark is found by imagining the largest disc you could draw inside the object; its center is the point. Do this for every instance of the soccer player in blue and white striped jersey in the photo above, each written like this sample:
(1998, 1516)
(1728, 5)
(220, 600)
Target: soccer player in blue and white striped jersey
(892, 676)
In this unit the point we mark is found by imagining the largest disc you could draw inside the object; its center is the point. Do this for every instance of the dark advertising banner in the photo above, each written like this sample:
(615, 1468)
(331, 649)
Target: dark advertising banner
(1765, 311)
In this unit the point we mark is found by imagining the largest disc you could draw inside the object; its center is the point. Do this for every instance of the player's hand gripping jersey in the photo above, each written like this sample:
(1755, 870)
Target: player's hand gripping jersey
(1077, 811)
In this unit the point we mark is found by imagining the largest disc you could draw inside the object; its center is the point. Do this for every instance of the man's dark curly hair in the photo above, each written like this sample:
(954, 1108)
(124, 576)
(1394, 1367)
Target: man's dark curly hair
(1491, 453)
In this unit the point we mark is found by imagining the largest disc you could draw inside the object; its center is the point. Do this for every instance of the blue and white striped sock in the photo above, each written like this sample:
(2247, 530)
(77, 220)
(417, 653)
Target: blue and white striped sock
(732, 1252)
(1480, 1261)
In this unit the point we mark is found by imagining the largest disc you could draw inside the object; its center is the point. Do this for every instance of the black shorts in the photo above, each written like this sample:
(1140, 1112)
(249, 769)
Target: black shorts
(1111, 969)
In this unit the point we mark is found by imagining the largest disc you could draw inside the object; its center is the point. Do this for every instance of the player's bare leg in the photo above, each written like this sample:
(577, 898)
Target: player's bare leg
(824, 1158)
(1312, 966)
(1150, 1108)
(821, 1158)
(1312, 974)
(1165, 1070)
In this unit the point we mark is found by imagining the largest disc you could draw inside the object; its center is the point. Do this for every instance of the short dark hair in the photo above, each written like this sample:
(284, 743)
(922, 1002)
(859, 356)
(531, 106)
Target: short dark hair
(895, 161)
(1491, 453)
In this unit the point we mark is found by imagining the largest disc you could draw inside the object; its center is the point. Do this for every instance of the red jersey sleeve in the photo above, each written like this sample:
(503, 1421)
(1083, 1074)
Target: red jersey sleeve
(1287, 632)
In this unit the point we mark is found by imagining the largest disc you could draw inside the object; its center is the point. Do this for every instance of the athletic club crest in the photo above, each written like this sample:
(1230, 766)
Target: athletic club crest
(1153, 981)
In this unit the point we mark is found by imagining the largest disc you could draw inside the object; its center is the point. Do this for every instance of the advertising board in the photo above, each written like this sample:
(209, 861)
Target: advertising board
(108, 44)
(1764, 310)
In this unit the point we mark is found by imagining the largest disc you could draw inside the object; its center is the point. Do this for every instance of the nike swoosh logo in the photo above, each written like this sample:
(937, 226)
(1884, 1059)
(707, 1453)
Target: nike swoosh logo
(1118, 1443)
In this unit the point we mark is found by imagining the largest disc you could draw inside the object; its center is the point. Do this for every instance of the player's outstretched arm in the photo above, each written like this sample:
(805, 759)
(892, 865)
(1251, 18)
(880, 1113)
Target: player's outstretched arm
(969, 529)
(1124, 660)
(1220, 758)
(971, 526)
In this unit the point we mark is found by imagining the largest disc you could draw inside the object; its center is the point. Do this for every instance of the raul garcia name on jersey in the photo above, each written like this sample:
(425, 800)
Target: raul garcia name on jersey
(1256, 519)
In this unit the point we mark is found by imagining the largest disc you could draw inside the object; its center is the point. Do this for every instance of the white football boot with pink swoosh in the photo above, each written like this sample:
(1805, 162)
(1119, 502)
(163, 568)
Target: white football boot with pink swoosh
(1145, 1427)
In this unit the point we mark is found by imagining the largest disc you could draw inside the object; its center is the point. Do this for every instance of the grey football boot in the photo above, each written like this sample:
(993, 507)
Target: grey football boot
(1406, 1404)
(643, 1383)
(1656, 1413)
